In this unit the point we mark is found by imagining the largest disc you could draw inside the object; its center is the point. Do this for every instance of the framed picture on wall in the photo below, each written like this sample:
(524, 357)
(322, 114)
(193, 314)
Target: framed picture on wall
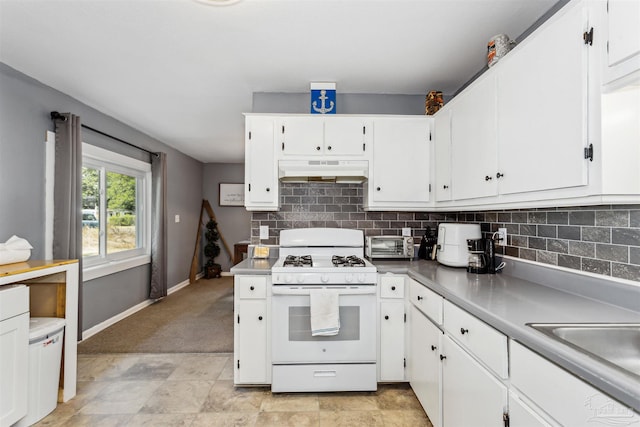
(231, 195)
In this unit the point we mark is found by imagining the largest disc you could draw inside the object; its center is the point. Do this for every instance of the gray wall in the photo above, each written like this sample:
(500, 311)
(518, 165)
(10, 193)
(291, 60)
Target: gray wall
(350, 103)
(233, 222)
(25, 105)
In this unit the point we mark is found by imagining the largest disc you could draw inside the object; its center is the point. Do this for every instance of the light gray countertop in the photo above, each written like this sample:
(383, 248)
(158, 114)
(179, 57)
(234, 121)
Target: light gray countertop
(254, 266)
(509, 301)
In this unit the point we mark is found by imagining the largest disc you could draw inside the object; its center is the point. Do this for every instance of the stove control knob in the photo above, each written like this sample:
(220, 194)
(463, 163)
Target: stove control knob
(348, 278)
(300, 278)
(288, 278)
(361, 277)
(324, 278)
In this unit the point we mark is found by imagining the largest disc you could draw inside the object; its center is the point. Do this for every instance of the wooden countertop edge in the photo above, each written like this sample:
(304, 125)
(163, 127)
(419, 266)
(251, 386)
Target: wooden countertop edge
(26, 266)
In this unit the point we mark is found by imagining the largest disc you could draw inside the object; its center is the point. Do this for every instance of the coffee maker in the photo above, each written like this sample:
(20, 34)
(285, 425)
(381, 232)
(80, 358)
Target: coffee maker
(482, 256)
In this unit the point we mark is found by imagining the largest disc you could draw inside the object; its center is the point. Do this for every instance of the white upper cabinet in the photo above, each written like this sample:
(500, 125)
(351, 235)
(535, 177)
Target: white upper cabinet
(399, 174)
(261, 174)
(623, 39)
(473, 141)
(442, 149)
(312, 136)
(542, 109)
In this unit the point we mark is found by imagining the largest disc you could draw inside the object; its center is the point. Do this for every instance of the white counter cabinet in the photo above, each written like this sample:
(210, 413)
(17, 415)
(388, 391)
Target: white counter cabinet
(563, 397)
(425, 369)
(471, 396)
(391, 318)
(53, 292)
(252, 342)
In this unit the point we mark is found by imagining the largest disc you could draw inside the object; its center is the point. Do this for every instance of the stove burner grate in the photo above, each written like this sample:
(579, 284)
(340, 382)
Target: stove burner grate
(347, 261)
(298, 261)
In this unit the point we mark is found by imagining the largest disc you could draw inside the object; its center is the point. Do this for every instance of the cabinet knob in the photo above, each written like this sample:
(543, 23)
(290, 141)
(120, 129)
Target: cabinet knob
(386, 317)
(318, 148)
(252, 287)
(393, 288)
(377, 188)
(464, 331)
(433, 348)
(445, 187)
(329, 148)
(268, 189)
(419, 298)
(259, 317)
(499, 175)
(442, 357)
(488, 178)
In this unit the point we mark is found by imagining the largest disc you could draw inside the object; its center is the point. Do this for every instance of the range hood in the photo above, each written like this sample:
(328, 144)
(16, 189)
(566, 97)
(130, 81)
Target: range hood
(339, 171)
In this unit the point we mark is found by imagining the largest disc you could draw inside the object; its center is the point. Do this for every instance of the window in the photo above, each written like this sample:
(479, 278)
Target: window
(116, 213)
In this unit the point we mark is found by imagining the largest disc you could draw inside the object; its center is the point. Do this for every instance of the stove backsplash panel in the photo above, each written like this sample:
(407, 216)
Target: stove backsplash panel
(597, 239)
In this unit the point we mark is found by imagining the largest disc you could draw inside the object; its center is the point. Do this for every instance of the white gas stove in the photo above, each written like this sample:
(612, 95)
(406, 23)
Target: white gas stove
(323, 261)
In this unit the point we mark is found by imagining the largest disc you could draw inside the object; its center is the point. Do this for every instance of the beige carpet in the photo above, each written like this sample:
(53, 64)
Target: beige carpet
(195, 319)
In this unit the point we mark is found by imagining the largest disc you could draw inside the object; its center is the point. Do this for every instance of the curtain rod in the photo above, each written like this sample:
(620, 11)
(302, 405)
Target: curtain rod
(57, 116)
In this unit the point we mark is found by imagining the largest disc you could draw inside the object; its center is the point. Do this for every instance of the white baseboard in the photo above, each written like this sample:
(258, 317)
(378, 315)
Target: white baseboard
(118, 317)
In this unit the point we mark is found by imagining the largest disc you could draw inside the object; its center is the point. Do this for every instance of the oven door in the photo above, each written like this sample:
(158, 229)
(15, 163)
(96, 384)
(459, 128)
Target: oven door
(293, 343)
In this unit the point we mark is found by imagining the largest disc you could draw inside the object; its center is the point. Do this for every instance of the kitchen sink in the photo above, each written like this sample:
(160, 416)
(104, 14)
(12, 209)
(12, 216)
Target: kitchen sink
(616, 344)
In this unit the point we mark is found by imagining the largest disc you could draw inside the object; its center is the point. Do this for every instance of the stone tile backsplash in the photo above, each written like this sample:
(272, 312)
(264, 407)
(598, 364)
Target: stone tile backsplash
(597, 239)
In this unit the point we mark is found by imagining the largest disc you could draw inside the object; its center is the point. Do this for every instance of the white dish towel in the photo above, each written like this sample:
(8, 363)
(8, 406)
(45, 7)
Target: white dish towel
(325, 314)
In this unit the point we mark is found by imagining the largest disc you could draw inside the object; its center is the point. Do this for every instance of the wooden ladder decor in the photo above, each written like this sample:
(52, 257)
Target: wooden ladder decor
(194, 261)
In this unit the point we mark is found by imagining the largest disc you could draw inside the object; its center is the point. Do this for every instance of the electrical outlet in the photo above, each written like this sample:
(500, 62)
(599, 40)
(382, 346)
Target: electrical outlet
(502, 236)
(264, 232)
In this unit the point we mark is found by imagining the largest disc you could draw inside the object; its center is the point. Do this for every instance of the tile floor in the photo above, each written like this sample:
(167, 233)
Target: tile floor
(197, 390)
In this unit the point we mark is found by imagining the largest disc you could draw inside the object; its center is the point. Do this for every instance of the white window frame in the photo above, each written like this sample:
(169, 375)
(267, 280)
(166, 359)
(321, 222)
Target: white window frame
(104, 264)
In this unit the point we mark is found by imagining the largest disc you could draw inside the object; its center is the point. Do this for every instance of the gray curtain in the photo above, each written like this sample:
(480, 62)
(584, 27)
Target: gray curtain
(67, 197)
(159, 226)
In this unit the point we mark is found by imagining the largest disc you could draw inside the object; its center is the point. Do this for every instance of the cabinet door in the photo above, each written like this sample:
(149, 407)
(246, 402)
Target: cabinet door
(300, 136)
(400, 170)
(392, 341)
(251, 358)
(624, 30)
(471, 396)
(14, 355)
(521, 415)
(442, 164)
(345, 136)
(473, 141)
(261, 180)
(542, 106)
(424, 365)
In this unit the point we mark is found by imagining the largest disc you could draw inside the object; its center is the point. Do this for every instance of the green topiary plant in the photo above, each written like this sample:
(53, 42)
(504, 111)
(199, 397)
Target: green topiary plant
(212, 250)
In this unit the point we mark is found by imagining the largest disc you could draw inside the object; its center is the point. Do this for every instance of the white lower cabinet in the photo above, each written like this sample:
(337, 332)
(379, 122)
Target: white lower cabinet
(471, 396)
(252, 350)
(564, 397)
(392, 328)
(424, 364)
(522, 415)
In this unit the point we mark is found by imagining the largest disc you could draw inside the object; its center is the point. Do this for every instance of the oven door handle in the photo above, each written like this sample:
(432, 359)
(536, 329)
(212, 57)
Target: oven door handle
(282, 290)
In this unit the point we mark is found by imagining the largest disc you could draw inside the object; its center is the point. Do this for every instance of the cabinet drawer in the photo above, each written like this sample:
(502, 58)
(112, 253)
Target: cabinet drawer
(391, 286)
(569, 400)
(426, 301)
(249, 287)
(329, 377)
(486, 343)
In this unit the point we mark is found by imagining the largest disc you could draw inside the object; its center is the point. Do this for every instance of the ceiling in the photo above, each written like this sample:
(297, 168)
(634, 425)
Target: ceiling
(184, 72)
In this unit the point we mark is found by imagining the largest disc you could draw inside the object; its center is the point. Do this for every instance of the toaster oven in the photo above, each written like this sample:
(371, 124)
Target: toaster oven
(389, 247)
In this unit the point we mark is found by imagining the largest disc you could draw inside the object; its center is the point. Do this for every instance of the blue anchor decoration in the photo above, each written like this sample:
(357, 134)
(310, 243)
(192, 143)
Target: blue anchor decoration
(323, 107)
